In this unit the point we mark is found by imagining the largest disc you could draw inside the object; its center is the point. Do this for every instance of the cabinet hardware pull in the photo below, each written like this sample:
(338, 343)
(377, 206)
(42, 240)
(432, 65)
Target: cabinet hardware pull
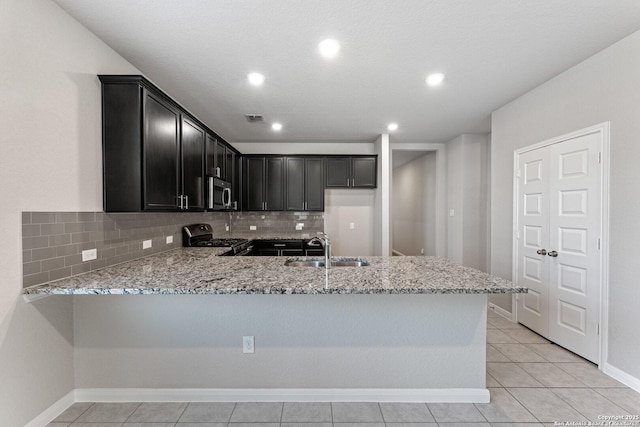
(186, 202)
(347, 182)
(180, 198)
(353, 182)
(553, 254)
(541, 251)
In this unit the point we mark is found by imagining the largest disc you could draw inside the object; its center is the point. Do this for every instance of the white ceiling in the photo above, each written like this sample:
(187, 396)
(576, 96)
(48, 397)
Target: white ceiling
(492, 51)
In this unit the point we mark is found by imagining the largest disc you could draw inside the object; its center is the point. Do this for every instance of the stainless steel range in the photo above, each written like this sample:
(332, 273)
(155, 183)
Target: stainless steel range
(201, 236)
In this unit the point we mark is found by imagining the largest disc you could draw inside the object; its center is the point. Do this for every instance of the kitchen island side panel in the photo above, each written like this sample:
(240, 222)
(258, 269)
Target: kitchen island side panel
(301, 341)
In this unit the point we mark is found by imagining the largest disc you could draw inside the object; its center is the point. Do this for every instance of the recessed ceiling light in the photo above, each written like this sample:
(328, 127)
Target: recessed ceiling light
(392, 126)
(434, 79)
(276, 126)
(255, 79)
(329, 48)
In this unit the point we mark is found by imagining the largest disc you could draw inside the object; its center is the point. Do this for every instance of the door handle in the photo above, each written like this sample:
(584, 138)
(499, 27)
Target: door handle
(553, 254)
(541, 251)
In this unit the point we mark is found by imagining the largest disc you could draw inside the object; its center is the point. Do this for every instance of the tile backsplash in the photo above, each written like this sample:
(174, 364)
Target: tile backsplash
(276, 224)
(52, 242)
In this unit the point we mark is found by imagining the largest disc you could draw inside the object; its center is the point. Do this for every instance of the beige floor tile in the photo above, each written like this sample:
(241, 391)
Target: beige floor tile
(504, 408)
(624, 397)
(545, 405)
(550, 375)
(348, 412)
(306, 412)
(491, 382)
(589, 374)
(210, 412)
(108, 413)
(493, 355)
(261, 412)
(455, 412)
(502, 323)
(555, 353)
(406, 413)
(525, 336)
(589, 403)
(495, 336)
(518, 353)
(154, 412)
(511, 375)
(73, 412)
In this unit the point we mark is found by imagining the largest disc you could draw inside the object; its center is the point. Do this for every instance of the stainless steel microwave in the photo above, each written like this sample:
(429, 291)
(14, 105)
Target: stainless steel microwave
(220, 195)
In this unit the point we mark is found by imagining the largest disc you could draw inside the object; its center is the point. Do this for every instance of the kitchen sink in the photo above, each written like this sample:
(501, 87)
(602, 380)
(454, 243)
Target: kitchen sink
(335, 262)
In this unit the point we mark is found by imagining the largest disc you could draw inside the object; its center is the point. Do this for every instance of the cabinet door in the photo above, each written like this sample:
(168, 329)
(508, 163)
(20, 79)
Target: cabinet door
(210, 155)
(314, 184)
(221, 159)
(161, 142)
(274, 190)
(254, 184)
(295, 184)
(338, 172)
(193, 137)
(363, 170)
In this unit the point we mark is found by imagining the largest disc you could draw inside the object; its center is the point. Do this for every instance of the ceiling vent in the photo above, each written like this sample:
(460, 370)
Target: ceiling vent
(254, 118)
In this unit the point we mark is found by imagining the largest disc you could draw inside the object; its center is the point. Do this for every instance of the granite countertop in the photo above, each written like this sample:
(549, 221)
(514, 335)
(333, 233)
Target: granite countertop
(201, 271)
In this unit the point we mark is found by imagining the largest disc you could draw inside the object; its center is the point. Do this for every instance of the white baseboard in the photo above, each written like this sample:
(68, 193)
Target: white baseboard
(464, 395)
(622, 376)
(501, 312)
(53, 411)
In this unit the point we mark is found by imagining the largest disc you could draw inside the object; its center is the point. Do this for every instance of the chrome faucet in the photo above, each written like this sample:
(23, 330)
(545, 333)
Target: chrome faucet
(324, 240)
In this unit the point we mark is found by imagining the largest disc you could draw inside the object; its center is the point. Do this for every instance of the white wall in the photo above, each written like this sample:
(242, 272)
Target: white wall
(602, 88)
(50, 117)
(414, 206)
(468, 195)
(382, 224)
(343, 207)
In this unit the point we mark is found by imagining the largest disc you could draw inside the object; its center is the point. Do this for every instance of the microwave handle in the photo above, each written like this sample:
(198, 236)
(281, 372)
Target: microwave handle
(226, 197)
(210, 192)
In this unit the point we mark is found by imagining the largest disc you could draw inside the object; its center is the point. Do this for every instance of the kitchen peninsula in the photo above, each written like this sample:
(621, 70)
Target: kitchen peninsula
(400, 329)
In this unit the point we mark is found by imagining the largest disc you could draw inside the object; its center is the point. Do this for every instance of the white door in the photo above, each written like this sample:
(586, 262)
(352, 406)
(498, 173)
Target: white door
(559, 191)
(533, 238)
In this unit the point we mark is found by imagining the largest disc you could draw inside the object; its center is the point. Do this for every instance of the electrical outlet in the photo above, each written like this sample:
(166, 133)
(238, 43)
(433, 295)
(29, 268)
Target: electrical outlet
(247, 344)
(352, 226)
(253, 228)
(452, 212)
(169, 239)
(422, 251)
(226, 227)
(89, 254)
(146, 244)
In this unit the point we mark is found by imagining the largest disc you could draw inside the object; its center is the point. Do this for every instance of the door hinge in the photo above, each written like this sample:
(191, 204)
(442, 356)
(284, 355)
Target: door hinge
(600, 157)
(598, 243)
(517, 173)
(517, 234)
(597, 328)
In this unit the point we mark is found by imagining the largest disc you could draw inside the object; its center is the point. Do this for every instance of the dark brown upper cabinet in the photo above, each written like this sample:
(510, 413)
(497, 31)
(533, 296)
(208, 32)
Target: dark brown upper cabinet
(153, 150)
(351, 171)
(304, 184)
(263, 183)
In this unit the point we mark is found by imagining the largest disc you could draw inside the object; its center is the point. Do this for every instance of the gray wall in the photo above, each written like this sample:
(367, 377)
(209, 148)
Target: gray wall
(414, 206)
(301, 341)
(468, 195)
(603, 88)
(50, 118)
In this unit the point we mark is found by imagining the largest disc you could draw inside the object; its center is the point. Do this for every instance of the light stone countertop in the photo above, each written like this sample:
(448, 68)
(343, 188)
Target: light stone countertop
(201, 271)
